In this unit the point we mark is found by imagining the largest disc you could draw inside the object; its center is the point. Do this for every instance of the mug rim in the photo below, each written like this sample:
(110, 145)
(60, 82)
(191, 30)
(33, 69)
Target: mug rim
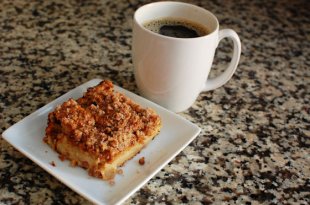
(179, 3)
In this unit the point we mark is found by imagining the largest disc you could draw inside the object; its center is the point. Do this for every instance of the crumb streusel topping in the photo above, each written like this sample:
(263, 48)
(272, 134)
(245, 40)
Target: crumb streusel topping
(102, 122)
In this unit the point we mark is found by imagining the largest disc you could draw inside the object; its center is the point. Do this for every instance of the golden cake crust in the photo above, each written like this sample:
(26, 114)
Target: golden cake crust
(101, 130)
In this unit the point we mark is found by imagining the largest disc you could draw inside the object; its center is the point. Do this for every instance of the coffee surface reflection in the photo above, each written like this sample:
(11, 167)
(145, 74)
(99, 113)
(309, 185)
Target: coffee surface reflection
(177, 28)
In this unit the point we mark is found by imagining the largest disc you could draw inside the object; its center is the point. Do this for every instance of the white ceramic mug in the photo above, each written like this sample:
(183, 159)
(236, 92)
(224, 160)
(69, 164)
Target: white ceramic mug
(173, 71)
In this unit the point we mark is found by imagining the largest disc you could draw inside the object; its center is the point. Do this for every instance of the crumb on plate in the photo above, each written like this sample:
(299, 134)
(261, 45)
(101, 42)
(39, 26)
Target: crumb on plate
(142, 161)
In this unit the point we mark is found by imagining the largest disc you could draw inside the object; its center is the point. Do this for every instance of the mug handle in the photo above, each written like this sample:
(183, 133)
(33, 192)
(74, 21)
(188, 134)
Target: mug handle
(220, 80)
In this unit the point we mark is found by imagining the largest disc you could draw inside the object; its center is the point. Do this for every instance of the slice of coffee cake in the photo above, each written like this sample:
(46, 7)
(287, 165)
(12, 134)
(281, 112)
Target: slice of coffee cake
(101, 130)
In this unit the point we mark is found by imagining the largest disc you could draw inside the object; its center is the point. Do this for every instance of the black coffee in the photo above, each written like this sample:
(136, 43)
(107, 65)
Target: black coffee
(175, 27)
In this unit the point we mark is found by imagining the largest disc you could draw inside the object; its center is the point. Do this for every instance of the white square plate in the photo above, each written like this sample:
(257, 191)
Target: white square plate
(176, 133)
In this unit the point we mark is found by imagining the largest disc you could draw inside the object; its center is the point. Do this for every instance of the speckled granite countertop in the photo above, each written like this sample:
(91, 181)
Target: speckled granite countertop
(255, 141)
